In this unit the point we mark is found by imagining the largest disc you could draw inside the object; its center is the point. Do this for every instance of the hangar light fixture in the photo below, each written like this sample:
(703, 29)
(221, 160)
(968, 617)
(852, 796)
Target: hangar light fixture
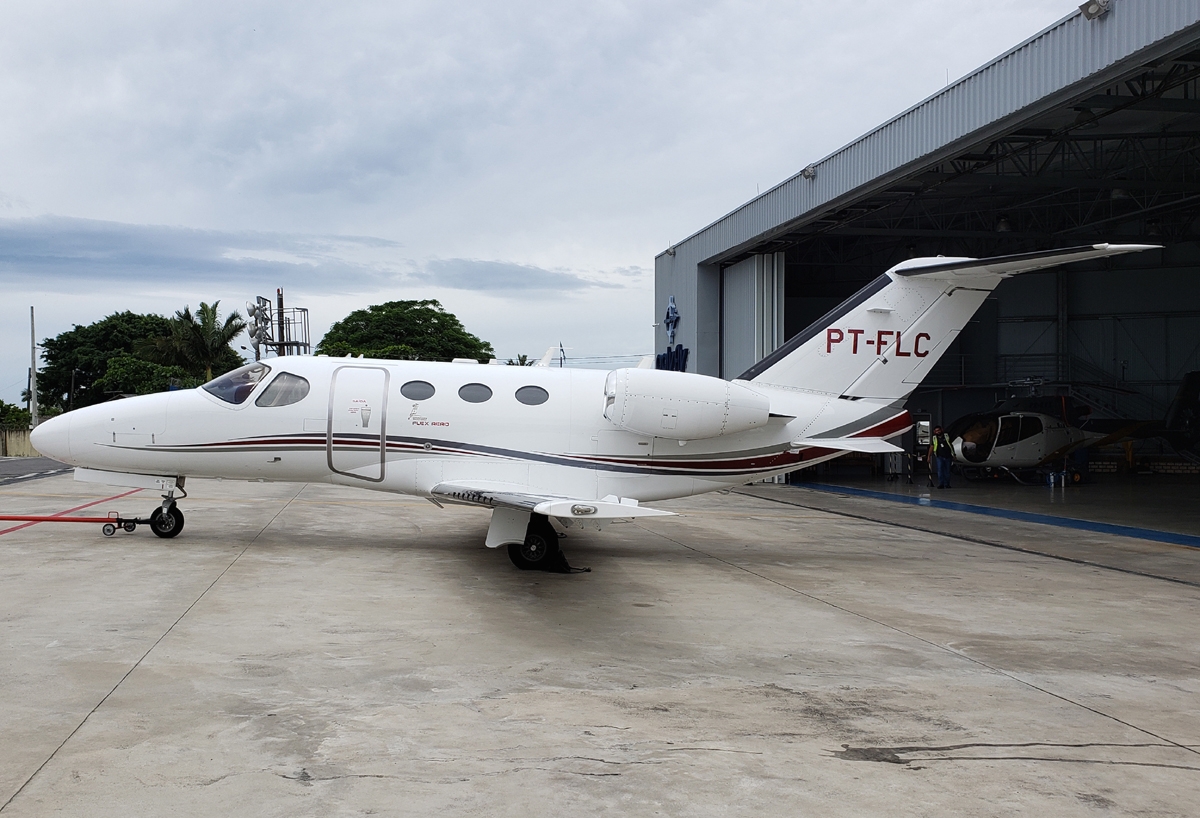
(1094, 9)
(1003, 225)
(1084, 119)
(809, 172)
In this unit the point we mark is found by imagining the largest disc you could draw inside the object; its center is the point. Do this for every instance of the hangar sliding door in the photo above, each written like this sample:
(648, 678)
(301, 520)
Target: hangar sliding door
(751, 312)
(356, 442)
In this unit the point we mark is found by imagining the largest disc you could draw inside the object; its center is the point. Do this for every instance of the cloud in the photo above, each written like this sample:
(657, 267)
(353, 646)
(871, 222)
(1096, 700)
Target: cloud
(88, 251)
(84, 251)
(501, 276)
(477, 152)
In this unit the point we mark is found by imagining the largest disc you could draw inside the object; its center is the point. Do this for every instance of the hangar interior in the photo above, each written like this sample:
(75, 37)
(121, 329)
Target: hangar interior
(1112, 159)
(1122, 165)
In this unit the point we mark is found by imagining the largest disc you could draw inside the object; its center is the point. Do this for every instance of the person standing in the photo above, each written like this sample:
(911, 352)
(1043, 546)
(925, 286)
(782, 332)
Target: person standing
(941, 457)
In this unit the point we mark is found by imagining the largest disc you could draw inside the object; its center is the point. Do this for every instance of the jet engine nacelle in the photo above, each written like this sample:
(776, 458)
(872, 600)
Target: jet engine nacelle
(681, 406)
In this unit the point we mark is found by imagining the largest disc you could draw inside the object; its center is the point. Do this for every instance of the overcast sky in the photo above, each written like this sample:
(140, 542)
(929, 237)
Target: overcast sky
(523, 162)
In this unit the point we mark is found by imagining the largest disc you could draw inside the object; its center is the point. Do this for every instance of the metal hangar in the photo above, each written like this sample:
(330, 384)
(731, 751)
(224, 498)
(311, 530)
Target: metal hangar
(1087, 132)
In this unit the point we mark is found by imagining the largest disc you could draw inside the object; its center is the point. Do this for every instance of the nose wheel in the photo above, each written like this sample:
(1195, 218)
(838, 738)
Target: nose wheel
(166, 523)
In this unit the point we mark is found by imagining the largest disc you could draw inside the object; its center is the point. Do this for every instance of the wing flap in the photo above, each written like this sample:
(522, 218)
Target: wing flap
(564, 508)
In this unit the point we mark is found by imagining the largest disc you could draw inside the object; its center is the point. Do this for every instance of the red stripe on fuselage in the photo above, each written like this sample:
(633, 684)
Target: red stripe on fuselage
(888, 428)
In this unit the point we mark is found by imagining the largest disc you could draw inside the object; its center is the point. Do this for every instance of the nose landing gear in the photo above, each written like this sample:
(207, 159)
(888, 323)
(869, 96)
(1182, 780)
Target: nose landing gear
(167, 520)
(166, 524)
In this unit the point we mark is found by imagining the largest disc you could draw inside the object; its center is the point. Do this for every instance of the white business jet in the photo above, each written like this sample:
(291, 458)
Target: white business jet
(532, 444)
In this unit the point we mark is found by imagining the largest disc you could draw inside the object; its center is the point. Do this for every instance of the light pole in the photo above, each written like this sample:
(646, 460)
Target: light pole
(33, 396)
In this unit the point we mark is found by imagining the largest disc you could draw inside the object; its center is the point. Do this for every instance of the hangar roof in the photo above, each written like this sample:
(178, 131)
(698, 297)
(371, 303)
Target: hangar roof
(1063, 80)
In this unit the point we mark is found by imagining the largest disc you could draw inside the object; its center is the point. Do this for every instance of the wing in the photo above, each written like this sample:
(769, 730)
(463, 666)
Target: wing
(500, 495)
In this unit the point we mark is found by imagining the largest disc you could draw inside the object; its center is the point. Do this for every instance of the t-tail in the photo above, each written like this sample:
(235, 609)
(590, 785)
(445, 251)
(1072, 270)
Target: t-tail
(880, 343)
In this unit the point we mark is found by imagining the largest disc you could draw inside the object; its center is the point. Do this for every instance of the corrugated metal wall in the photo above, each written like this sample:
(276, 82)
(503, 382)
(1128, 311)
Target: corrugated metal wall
(752, 309)
(1050, 69)
(1072, 52)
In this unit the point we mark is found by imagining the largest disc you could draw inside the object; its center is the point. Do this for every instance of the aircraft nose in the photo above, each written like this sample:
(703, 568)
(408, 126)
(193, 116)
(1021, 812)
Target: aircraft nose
(52, 438)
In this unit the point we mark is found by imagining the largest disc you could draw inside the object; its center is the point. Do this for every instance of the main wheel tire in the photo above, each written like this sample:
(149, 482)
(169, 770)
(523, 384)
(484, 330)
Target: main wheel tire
(538, 551)
(166, 524)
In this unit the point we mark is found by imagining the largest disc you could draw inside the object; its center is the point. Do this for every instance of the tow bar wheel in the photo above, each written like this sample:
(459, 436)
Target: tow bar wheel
(166, 524)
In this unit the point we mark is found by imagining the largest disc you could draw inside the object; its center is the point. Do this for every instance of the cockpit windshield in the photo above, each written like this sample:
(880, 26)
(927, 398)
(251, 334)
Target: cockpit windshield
(234, 387)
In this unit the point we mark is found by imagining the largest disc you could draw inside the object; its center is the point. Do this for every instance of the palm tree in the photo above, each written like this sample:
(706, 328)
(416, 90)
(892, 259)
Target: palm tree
(202, 339)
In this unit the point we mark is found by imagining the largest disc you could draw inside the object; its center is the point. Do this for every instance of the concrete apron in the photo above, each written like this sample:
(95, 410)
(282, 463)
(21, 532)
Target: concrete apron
(317, 650)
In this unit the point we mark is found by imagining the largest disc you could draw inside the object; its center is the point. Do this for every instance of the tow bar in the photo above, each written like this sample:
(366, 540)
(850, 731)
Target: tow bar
(109, 524)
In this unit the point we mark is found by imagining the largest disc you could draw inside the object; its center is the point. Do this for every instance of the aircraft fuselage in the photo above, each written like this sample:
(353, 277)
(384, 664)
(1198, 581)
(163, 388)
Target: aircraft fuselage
(535, 428)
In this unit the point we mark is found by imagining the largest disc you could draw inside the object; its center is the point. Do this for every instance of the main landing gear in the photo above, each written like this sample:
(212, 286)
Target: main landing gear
(540, 551)
(167, 520)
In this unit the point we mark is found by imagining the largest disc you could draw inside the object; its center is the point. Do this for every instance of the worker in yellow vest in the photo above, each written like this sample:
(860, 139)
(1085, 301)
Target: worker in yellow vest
(941, 457)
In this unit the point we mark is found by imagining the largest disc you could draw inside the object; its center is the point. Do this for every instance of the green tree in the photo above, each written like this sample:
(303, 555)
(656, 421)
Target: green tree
(147, 353)
(84, 351)
(130, 375)
(197, 342)
(13, 416)
(406, 330)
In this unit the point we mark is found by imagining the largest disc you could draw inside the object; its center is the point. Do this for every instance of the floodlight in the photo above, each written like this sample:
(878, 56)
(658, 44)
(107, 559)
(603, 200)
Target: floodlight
(1085, 119)
(809, 172)
(1093, 9)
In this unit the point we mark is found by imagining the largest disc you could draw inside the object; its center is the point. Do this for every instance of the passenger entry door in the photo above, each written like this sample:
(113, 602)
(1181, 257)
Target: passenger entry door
(356, 441)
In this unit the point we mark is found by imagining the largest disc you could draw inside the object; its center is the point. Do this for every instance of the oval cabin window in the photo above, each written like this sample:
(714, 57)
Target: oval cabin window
(417, 390)
(532, 395)
(475, 393)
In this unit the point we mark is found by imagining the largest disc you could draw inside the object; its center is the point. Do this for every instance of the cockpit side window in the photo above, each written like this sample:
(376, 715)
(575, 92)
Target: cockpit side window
(285, 390)
(1010, 429)
(234, 387)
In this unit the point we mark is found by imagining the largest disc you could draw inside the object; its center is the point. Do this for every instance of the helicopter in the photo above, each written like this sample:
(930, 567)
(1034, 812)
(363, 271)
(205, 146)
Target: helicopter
(1028, 437)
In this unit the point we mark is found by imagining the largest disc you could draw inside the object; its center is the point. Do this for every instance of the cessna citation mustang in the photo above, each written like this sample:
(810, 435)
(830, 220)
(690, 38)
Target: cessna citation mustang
(583, 447)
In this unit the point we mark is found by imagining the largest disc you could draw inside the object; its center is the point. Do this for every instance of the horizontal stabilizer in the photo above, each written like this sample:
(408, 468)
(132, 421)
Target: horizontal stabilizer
(867, 445)
(1005, 266)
